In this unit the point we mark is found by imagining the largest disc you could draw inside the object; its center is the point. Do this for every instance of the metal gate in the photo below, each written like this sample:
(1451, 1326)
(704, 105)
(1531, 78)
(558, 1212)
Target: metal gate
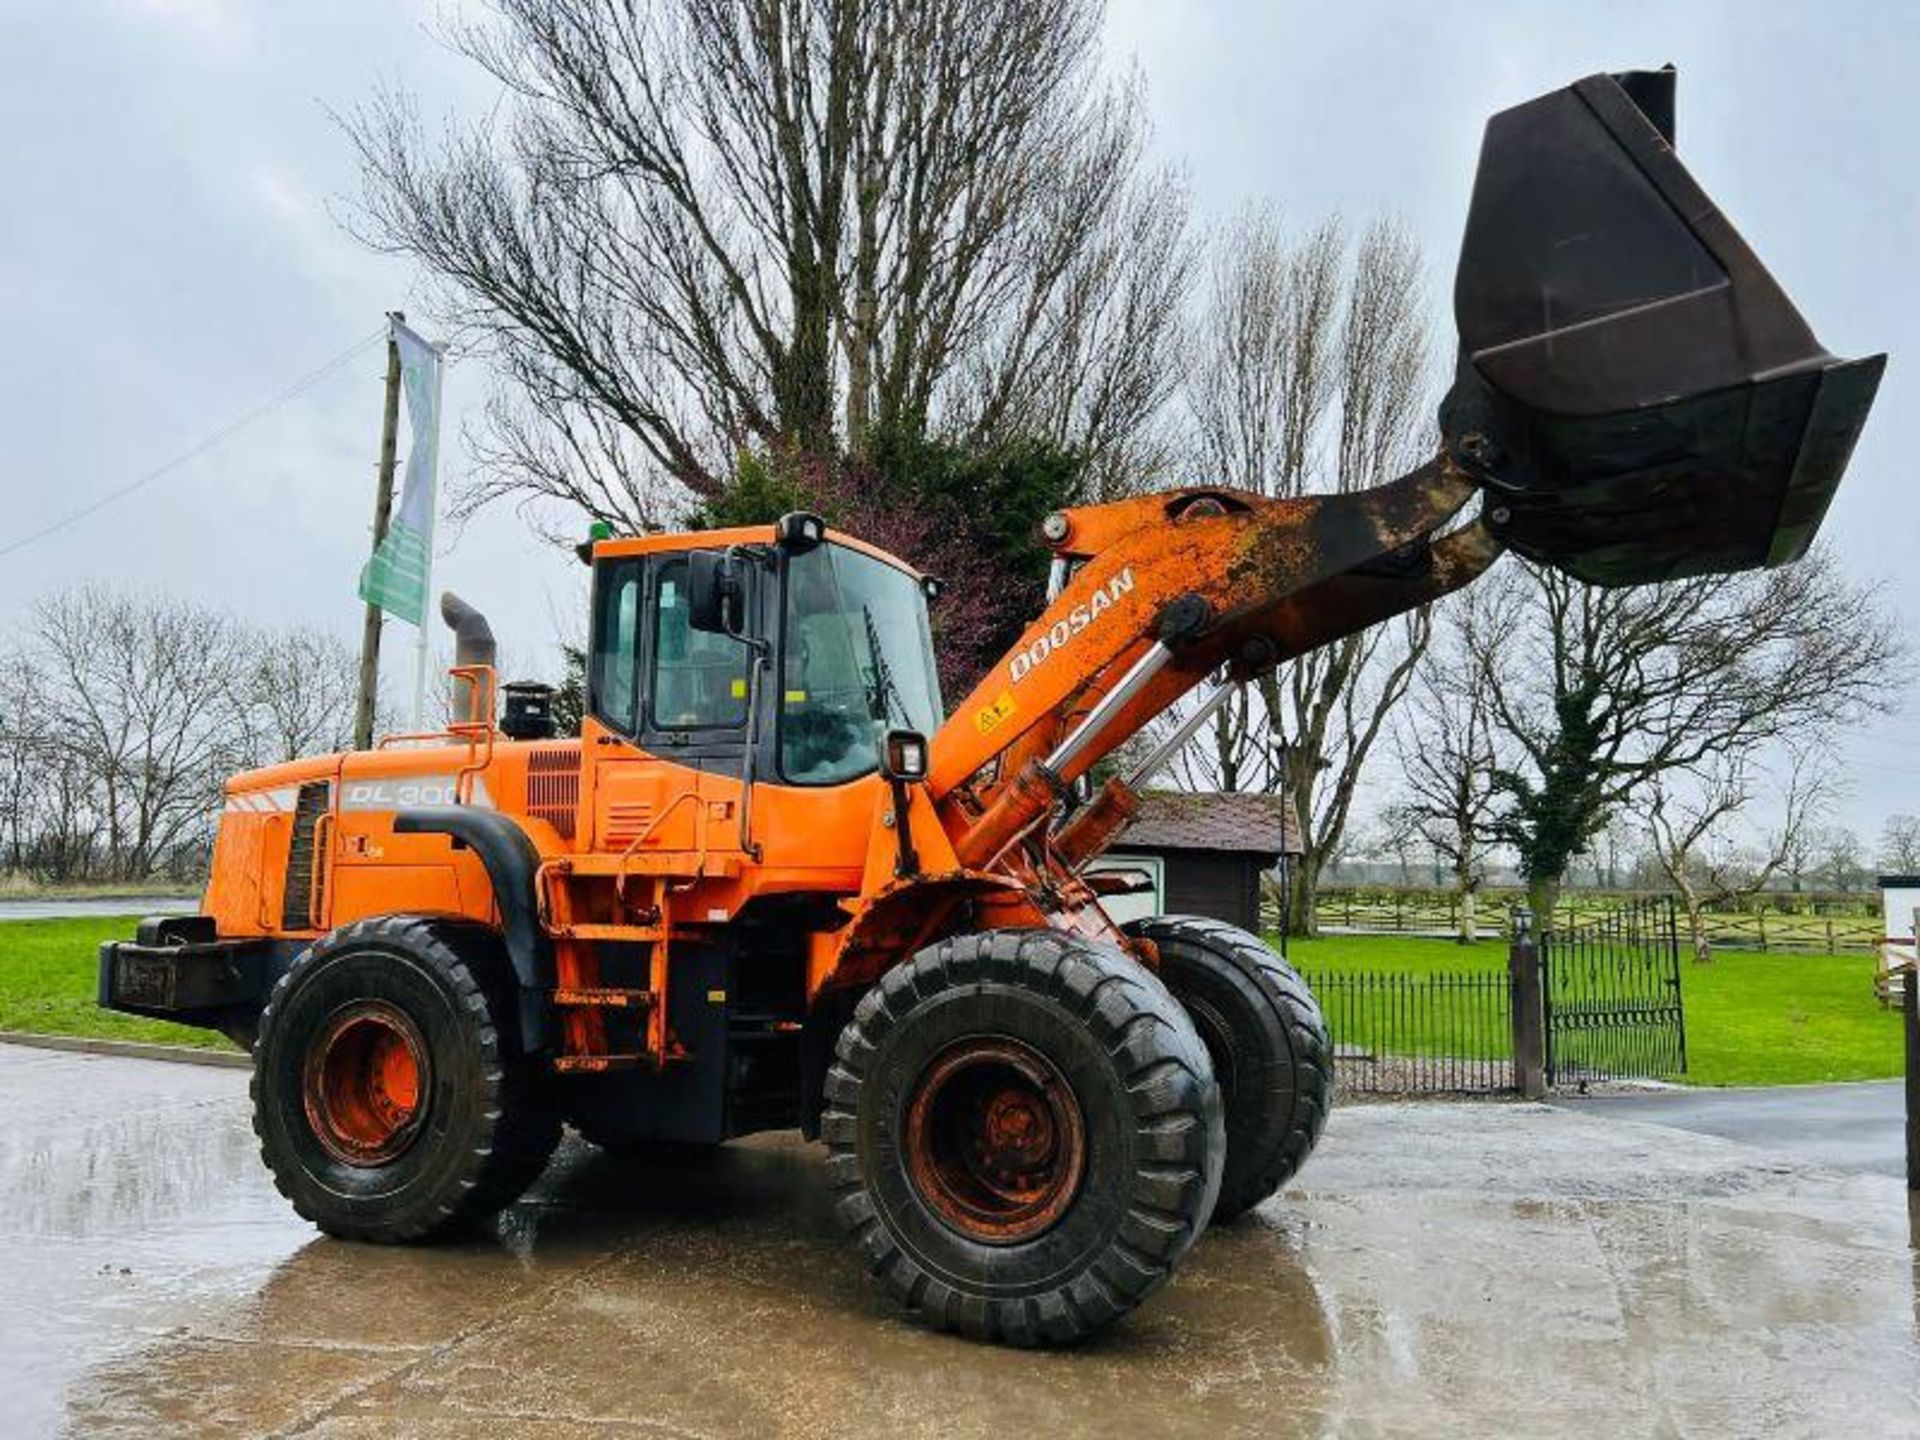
(1611, 991)
(1436, 1034)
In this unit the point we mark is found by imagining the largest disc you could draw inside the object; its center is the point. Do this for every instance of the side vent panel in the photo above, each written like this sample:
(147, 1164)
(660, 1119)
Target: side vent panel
(553, 787)
(625, 821)
(298, 897)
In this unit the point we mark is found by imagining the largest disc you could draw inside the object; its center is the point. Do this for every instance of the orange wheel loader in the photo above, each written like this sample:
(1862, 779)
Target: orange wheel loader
(777, 882)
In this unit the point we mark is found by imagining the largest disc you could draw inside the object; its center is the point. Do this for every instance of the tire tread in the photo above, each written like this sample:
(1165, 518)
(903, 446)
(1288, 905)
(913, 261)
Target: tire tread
(521, 1129)
(1160, 1062)
(1251, 1178)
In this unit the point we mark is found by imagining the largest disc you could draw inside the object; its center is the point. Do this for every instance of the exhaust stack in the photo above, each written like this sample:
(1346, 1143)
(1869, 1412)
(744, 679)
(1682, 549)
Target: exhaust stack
(473, 644)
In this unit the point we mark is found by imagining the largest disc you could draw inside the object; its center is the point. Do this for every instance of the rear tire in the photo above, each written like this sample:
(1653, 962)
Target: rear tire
(1024, 1135)
(389, 1102)
(1268, 1042)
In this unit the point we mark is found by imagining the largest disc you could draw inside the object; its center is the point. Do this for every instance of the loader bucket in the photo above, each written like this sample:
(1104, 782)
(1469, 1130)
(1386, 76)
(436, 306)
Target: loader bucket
(1642, 397)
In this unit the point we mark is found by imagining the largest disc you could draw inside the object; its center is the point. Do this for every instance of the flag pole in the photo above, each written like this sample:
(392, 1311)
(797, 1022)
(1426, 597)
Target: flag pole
(399, 576)
(433, 526)
(363, 712)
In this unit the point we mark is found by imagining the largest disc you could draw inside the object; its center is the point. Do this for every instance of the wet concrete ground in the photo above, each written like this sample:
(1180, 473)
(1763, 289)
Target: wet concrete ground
(1463, 1270)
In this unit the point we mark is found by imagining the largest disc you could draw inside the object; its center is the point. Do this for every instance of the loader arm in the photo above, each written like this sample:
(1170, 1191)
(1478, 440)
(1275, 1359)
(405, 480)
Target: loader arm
(1165, 590)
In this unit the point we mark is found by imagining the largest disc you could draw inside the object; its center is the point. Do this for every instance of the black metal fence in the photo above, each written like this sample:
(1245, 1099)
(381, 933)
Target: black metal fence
(1611, 989)
(1399, 1034)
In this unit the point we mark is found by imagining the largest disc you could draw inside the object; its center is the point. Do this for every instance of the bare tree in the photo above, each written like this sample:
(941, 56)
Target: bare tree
(1308, 376)
(1400, 838)
(296, 695)
(1608, 853)
(1597, 694)
(122, 715)
(1900, 844)
(1687, 815)
(1842, 859)
(1444, 738)
(147, 687)
(698, 226)
(28, 753)
(1802, 855)
(1262, 377)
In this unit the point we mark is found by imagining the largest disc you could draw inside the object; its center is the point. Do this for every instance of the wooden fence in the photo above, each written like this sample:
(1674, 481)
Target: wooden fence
(1820, 925)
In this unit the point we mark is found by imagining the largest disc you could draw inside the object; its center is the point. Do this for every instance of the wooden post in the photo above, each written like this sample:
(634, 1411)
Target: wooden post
(1910, 1007)
(382, 510)
(1528, 1003)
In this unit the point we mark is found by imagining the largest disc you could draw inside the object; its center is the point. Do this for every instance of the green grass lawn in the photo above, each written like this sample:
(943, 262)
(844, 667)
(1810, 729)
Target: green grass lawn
(49, 974)
(1752, 1019)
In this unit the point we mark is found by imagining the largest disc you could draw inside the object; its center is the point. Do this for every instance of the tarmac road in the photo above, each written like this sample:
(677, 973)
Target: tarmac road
(1443, 1269)
(79, 909)
(1860, 1126)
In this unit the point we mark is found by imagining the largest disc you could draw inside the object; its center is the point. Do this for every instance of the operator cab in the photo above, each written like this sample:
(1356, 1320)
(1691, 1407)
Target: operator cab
(804, 651)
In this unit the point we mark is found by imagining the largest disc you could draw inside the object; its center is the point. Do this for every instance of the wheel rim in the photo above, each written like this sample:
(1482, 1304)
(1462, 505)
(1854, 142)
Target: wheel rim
(995, 1141)
(365, 1083)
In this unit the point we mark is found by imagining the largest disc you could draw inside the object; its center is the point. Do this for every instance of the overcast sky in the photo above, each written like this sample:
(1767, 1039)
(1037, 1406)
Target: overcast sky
(169, 256)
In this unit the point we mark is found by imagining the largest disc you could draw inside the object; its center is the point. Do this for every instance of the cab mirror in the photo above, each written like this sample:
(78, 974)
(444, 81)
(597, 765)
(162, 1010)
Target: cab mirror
(716, 592)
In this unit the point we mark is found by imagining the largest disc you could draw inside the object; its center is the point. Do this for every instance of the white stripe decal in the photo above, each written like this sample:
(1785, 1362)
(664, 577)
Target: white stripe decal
(385, 792)
(263, 802)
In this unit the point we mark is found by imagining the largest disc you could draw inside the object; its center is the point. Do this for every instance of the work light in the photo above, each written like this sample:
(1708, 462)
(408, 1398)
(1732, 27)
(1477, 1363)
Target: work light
(799, 531)
(905, 755)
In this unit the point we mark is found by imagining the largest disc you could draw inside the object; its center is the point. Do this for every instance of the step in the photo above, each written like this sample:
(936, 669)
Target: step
(633, 934)
(604, 997)
(596, 1064)
(672, 864)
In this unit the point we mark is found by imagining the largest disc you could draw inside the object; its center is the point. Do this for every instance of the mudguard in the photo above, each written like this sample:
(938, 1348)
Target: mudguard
(512, 862)
(1641, 396)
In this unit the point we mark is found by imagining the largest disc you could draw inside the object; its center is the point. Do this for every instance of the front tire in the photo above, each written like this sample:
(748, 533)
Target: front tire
(1024, 1135)
(1268, 1042)
(389, 1102)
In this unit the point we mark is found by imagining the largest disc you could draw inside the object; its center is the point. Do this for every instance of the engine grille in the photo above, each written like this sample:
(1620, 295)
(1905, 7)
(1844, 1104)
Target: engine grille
(553, 787)
(297, 899)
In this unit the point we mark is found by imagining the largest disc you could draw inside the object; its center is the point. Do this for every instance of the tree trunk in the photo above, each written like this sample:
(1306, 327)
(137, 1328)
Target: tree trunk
(1543, 893)
(1303, 899)
(1697, 931)
(1469, 932)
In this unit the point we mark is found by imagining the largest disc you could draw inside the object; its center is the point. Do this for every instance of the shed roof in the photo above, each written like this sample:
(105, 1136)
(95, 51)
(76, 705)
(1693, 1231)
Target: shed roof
(1239, 824)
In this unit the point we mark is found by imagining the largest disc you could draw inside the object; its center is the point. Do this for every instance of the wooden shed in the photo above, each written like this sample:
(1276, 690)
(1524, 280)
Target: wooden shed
(1205, 853)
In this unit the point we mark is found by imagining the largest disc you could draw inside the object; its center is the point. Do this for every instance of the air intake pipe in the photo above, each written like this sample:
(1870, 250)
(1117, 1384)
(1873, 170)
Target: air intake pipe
(473, 645)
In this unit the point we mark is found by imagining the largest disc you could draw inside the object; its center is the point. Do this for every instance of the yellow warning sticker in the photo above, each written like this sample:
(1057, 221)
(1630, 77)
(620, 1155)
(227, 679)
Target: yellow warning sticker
(740, 689)
(716, 997)
(992, 717)
(796, 697)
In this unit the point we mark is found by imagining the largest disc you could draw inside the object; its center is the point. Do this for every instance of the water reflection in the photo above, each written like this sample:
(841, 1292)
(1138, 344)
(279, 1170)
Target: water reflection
(1490, 1274)
(712, 1296)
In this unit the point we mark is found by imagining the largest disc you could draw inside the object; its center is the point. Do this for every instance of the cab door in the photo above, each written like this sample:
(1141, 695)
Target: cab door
(669, 716)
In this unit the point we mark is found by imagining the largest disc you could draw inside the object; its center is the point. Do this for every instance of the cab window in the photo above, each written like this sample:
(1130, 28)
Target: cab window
(857, 661)
(616, 649)
(699, 679)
